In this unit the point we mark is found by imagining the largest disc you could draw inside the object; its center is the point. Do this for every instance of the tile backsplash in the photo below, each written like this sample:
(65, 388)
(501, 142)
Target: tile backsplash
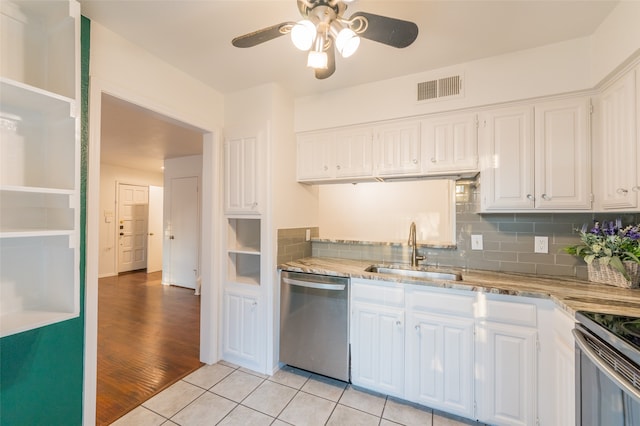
(292, 243)
(508, 241)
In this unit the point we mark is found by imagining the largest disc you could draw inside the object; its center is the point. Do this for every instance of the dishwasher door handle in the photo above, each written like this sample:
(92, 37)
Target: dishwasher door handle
(311, 284)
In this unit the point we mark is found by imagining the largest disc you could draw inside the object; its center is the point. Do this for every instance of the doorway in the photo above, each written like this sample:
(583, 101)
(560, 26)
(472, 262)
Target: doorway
(142, 333)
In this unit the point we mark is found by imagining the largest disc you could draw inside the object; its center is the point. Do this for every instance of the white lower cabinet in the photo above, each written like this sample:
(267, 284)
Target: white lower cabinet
(471, 354)
(377, 336)
(377, 349)
(506, 359)
(241, 343)
(440, 362)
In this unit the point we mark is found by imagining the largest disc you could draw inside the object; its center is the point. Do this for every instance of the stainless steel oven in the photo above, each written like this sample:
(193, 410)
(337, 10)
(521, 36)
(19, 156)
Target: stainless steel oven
(314, 323)
(607, 370)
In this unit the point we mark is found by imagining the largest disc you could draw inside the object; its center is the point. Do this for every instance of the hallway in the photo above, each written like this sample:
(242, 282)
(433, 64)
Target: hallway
(148, 338)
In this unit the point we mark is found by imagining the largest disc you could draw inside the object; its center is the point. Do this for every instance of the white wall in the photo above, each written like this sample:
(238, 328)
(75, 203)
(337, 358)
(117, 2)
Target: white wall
(176, 168)
(572, 65)
(552, 69)
(109, 175)
(615, 40)
(383, 211)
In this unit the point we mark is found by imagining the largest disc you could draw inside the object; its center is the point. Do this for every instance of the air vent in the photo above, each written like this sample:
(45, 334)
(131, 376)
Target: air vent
(440, 88)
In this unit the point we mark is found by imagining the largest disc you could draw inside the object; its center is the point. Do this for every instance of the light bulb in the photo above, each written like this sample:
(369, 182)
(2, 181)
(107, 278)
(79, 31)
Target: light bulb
(302, 34)
(317, 60)
(347, 42)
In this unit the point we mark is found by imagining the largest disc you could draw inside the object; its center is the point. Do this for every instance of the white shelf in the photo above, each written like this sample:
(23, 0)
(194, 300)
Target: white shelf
(26, 320)
(26, 98)
(243, 251)
(39, 163)
(42, 44)
(40, 274)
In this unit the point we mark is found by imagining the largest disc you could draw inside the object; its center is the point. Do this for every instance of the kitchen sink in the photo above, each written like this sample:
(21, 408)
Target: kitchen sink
(407, 271)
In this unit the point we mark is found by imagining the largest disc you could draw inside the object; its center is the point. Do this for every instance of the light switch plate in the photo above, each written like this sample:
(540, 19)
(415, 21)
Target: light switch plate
(476, 242)
(307, 234)
(541, 244)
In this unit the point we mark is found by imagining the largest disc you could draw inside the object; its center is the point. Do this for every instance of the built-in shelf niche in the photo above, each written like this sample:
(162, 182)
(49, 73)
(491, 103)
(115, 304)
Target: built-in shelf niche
(243, 249)
(39, 282)
(39, 44)
(39, 163)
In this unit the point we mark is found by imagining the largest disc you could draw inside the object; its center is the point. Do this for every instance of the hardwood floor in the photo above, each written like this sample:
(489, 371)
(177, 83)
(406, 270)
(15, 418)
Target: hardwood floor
(148, 338)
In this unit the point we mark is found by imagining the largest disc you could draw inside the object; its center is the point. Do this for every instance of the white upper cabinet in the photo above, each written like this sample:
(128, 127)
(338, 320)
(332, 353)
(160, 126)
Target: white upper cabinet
(335, 155)
(353, 152)
(537, 157)
(39, 164)
(507, 152)
(242, 175)
(563, 154)
(450, 144)
(315, 160)
(397, 148)
(616, 142)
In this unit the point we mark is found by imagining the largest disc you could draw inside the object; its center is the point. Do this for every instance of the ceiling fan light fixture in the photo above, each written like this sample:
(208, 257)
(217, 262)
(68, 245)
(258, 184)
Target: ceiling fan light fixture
(303, 34)
(347, 42)
(317, 60)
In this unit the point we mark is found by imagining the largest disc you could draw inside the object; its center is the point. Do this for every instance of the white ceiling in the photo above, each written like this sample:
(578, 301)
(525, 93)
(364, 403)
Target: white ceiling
(195, 36)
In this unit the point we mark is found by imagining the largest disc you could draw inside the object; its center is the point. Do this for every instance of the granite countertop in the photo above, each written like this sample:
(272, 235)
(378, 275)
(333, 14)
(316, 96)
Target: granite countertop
(568, 293)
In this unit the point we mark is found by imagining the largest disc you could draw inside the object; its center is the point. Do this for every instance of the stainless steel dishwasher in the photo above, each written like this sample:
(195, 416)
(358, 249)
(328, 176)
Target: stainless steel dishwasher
(314, 323)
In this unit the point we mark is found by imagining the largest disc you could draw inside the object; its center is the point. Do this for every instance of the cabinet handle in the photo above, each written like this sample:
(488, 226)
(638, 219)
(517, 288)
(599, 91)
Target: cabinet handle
(622, 191)
(398, 323)
(636, 188)
(545, 197)
(415, 161)
(326, 168)
(338, 167)
(417, 328)
(531, 197)
(254, 304)
(433, 160)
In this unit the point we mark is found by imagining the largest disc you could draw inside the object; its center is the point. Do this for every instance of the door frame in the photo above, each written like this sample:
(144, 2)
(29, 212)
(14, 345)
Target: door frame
(211, 227)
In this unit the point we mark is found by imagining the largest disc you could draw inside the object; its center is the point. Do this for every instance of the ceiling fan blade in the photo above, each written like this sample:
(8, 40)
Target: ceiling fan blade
(391, 31)
(260, 36)
(321, 74)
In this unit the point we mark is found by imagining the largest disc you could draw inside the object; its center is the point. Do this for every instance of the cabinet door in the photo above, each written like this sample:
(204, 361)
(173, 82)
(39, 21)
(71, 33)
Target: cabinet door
(506, 357)
(563, 154)
(241, 175)
(398, 148)
(377, 348)
(440, 362)
(450, 144)
(314, 156)
(241, 334)
(506, 146)
(617, 146)
(354, 152)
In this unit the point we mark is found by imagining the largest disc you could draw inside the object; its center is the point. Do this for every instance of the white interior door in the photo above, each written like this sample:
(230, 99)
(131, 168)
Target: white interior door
(185, 230)
(154, 238)
(133, 203)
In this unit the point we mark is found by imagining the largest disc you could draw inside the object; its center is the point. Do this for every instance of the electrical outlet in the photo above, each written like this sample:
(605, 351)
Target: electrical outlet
(476, 242)
(541, 244)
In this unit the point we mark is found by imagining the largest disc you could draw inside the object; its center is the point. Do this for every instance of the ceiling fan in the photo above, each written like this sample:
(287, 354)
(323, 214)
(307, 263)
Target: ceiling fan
(324, 30)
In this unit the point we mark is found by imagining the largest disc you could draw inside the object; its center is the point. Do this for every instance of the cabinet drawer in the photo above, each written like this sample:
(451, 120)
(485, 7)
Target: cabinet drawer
(447, 303)
(389, 294)
(508, 312)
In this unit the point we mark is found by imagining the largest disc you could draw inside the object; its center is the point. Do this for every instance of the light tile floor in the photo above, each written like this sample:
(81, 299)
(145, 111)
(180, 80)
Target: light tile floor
(223, 394)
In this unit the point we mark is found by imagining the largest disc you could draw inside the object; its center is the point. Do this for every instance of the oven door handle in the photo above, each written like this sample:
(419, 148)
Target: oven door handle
(617, 378)
(310, 284)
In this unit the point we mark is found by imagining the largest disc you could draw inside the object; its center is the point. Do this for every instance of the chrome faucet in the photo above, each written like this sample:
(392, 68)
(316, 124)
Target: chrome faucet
(415, 257)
